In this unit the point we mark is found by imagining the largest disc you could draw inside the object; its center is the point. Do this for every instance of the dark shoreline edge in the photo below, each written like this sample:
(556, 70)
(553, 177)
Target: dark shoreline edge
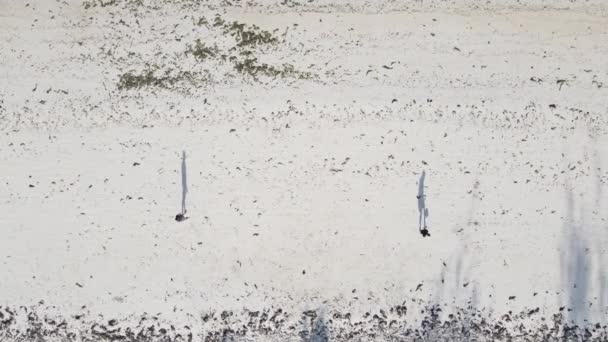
(322, 325)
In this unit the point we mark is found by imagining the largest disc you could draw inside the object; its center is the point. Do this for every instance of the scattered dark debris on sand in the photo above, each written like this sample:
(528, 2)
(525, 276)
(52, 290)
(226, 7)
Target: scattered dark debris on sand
(276, 324)
(152, 77)
(236, 50)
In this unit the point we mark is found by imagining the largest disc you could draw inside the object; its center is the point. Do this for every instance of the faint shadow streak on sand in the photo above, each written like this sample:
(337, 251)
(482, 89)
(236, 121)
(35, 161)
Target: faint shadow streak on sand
(458, 290)
(314, 326)
(319, 333)
(576, 266)
(581, 262)
(460, 285)
(598, 208)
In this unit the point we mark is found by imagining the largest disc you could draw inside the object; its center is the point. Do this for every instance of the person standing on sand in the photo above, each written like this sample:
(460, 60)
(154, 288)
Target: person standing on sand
(423, 211)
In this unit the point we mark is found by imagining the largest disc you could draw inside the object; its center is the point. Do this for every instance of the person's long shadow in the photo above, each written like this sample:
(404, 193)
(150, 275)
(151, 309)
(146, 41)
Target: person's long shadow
(184, 183)
(182, 215)
(423, 211)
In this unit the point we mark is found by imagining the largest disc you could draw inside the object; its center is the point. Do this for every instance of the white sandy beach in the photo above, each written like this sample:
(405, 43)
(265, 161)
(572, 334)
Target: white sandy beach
(303, 178)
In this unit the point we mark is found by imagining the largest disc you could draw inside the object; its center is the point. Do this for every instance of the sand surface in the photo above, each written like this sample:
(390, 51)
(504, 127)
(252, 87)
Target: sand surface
(306, 130)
